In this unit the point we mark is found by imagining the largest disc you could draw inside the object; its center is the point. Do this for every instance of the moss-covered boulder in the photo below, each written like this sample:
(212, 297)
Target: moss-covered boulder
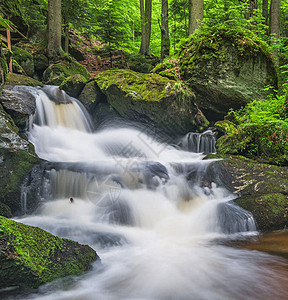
(263, 189)
(152, 99)
(56, 73)
(17, 157)
(73, 85)
(227, 68)
(30, 256)
(25, 60)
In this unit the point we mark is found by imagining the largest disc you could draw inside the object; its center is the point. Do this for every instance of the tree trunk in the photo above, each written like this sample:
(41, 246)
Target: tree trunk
(252, 6)
(66, 31)
(274, 26)
(54, 30)
(196, 14)
(146, 12)
(265, 11)
(165, 41)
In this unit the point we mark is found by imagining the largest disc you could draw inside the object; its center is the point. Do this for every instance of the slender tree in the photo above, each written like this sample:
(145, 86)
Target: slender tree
(165, 41)
(265, 11)
(146, 13)
(274, 26)
(196, 14)
(54, 30)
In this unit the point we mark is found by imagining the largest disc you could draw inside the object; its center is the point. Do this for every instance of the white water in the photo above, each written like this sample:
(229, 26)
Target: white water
(155, 232)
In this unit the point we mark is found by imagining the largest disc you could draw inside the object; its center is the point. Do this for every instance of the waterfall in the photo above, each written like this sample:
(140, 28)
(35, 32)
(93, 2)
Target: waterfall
(153, 212)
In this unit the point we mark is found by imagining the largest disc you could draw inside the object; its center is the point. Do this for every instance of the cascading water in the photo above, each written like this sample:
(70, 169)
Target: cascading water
(199, 142)
(148, 209)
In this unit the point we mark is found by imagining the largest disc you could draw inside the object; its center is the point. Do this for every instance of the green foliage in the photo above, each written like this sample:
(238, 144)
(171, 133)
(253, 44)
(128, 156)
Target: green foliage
(259, 130)
(235, 13)
(179, 20)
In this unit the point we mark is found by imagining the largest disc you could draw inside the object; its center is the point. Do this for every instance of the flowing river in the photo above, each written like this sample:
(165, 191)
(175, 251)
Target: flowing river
(153, 212)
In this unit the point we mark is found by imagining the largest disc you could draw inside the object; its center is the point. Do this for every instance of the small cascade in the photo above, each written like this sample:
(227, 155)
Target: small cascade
(153, 212)
(55, 108)
(199, 142)
(23, 199)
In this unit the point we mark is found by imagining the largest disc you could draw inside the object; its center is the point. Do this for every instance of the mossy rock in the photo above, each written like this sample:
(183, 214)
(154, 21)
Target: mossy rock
(227, 68)
(17, 157)
(152, 99)
(17, 79)
(59, 71)
(262, 188)
(73, 85)
(270, 211)
(25, 60)
(30, 256)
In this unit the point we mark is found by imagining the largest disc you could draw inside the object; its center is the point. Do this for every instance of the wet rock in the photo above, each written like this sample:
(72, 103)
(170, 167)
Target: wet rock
(30, 256)
(20, 104)
(91, 95)
(17, 157)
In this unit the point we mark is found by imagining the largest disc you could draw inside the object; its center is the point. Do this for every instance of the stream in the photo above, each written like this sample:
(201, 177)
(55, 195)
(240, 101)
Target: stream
(154, 213)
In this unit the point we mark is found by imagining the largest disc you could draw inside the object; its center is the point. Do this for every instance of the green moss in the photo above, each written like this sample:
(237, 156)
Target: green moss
(35, 256)
(169, 69)
(21, 54)
(17, 68)
(140, 86)
(17, 79)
